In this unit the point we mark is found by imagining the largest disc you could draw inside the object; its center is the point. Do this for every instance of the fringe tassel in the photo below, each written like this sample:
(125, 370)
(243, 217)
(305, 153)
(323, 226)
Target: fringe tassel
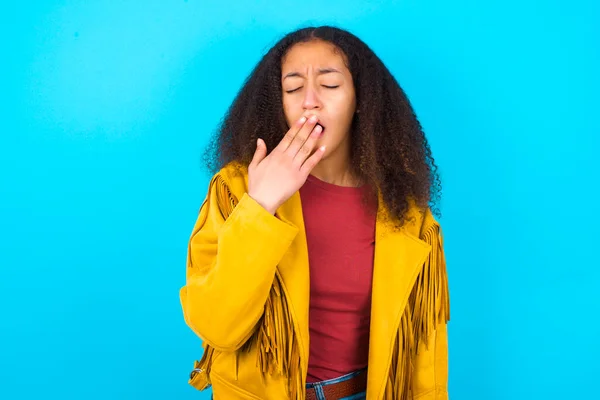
(428, 305)
(278, 350)
(225, 198)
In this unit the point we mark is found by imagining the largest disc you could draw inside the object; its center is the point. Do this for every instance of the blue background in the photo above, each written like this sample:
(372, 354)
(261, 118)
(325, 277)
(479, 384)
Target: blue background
(106, 106)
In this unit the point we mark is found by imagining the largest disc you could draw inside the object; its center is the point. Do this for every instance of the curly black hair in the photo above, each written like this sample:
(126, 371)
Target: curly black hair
(389, 149)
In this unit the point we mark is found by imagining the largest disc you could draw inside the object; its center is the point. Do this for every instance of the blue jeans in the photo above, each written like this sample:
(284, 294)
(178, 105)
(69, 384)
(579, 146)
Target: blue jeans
(321, 396)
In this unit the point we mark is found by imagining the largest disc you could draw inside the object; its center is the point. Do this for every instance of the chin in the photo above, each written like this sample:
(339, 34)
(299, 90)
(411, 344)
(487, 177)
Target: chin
(330, 142)
(322, 142)
(328, 149)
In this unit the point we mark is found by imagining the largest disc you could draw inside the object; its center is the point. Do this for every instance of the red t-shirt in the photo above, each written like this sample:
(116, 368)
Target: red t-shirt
(340, 233)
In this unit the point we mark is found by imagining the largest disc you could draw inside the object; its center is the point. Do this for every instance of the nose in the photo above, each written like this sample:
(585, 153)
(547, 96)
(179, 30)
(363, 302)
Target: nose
(311, 98)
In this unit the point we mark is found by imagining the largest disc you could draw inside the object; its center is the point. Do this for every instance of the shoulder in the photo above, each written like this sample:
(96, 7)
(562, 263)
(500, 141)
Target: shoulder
(421, 222)
(234, 177)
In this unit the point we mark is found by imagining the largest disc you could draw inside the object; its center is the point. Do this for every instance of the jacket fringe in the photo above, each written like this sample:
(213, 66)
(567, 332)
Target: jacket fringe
(275, 337)
(428, 305)
(278, 351)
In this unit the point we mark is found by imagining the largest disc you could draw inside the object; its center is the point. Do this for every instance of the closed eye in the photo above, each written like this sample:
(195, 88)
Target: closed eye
(325, 86)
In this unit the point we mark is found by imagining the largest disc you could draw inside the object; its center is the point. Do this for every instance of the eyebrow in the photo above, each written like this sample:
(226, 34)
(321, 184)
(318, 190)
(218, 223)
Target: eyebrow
(321, 71)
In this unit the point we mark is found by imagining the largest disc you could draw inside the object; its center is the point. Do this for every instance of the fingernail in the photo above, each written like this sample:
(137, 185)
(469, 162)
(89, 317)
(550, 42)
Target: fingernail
(318, 129)
(322, 148)
(302, 120)
(258, 142)
(313, 118)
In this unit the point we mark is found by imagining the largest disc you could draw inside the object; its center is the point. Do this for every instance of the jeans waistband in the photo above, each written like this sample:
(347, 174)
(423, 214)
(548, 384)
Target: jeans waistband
(336, 380)
(351, 386)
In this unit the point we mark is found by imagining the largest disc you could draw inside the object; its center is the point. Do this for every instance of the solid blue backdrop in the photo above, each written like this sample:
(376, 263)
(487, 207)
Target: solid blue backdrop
(106, 107)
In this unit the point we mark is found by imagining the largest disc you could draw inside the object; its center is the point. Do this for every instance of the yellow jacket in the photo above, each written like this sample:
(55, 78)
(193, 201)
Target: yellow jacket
(247, 297)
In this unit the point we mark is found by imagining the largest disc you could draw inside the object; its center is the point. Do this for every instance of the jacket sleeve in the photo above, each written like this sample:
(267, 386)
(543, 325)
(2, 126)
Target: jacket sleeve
(430, 381)
(231, 265)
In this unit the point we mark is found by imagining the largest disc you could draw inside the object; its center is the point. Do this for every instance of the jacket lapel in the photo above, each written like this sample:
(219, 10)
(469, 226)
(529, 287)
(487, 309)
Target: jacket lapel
(399, 257)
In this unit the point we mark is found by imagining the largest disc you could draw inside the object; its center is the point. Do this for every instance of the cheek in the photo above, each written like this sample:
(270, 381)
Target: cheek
(346, 102)
(290, 111)
(344, 111)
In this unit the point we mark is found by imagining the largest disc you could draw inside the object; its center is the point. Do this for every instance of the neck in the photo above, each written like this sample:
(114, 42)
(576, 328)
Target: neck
(335, 169)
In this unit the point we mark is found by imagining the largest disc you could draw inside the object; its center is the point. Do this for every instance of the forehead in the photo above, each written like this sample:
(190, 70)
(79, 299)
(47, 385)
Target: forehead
(317, 54)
